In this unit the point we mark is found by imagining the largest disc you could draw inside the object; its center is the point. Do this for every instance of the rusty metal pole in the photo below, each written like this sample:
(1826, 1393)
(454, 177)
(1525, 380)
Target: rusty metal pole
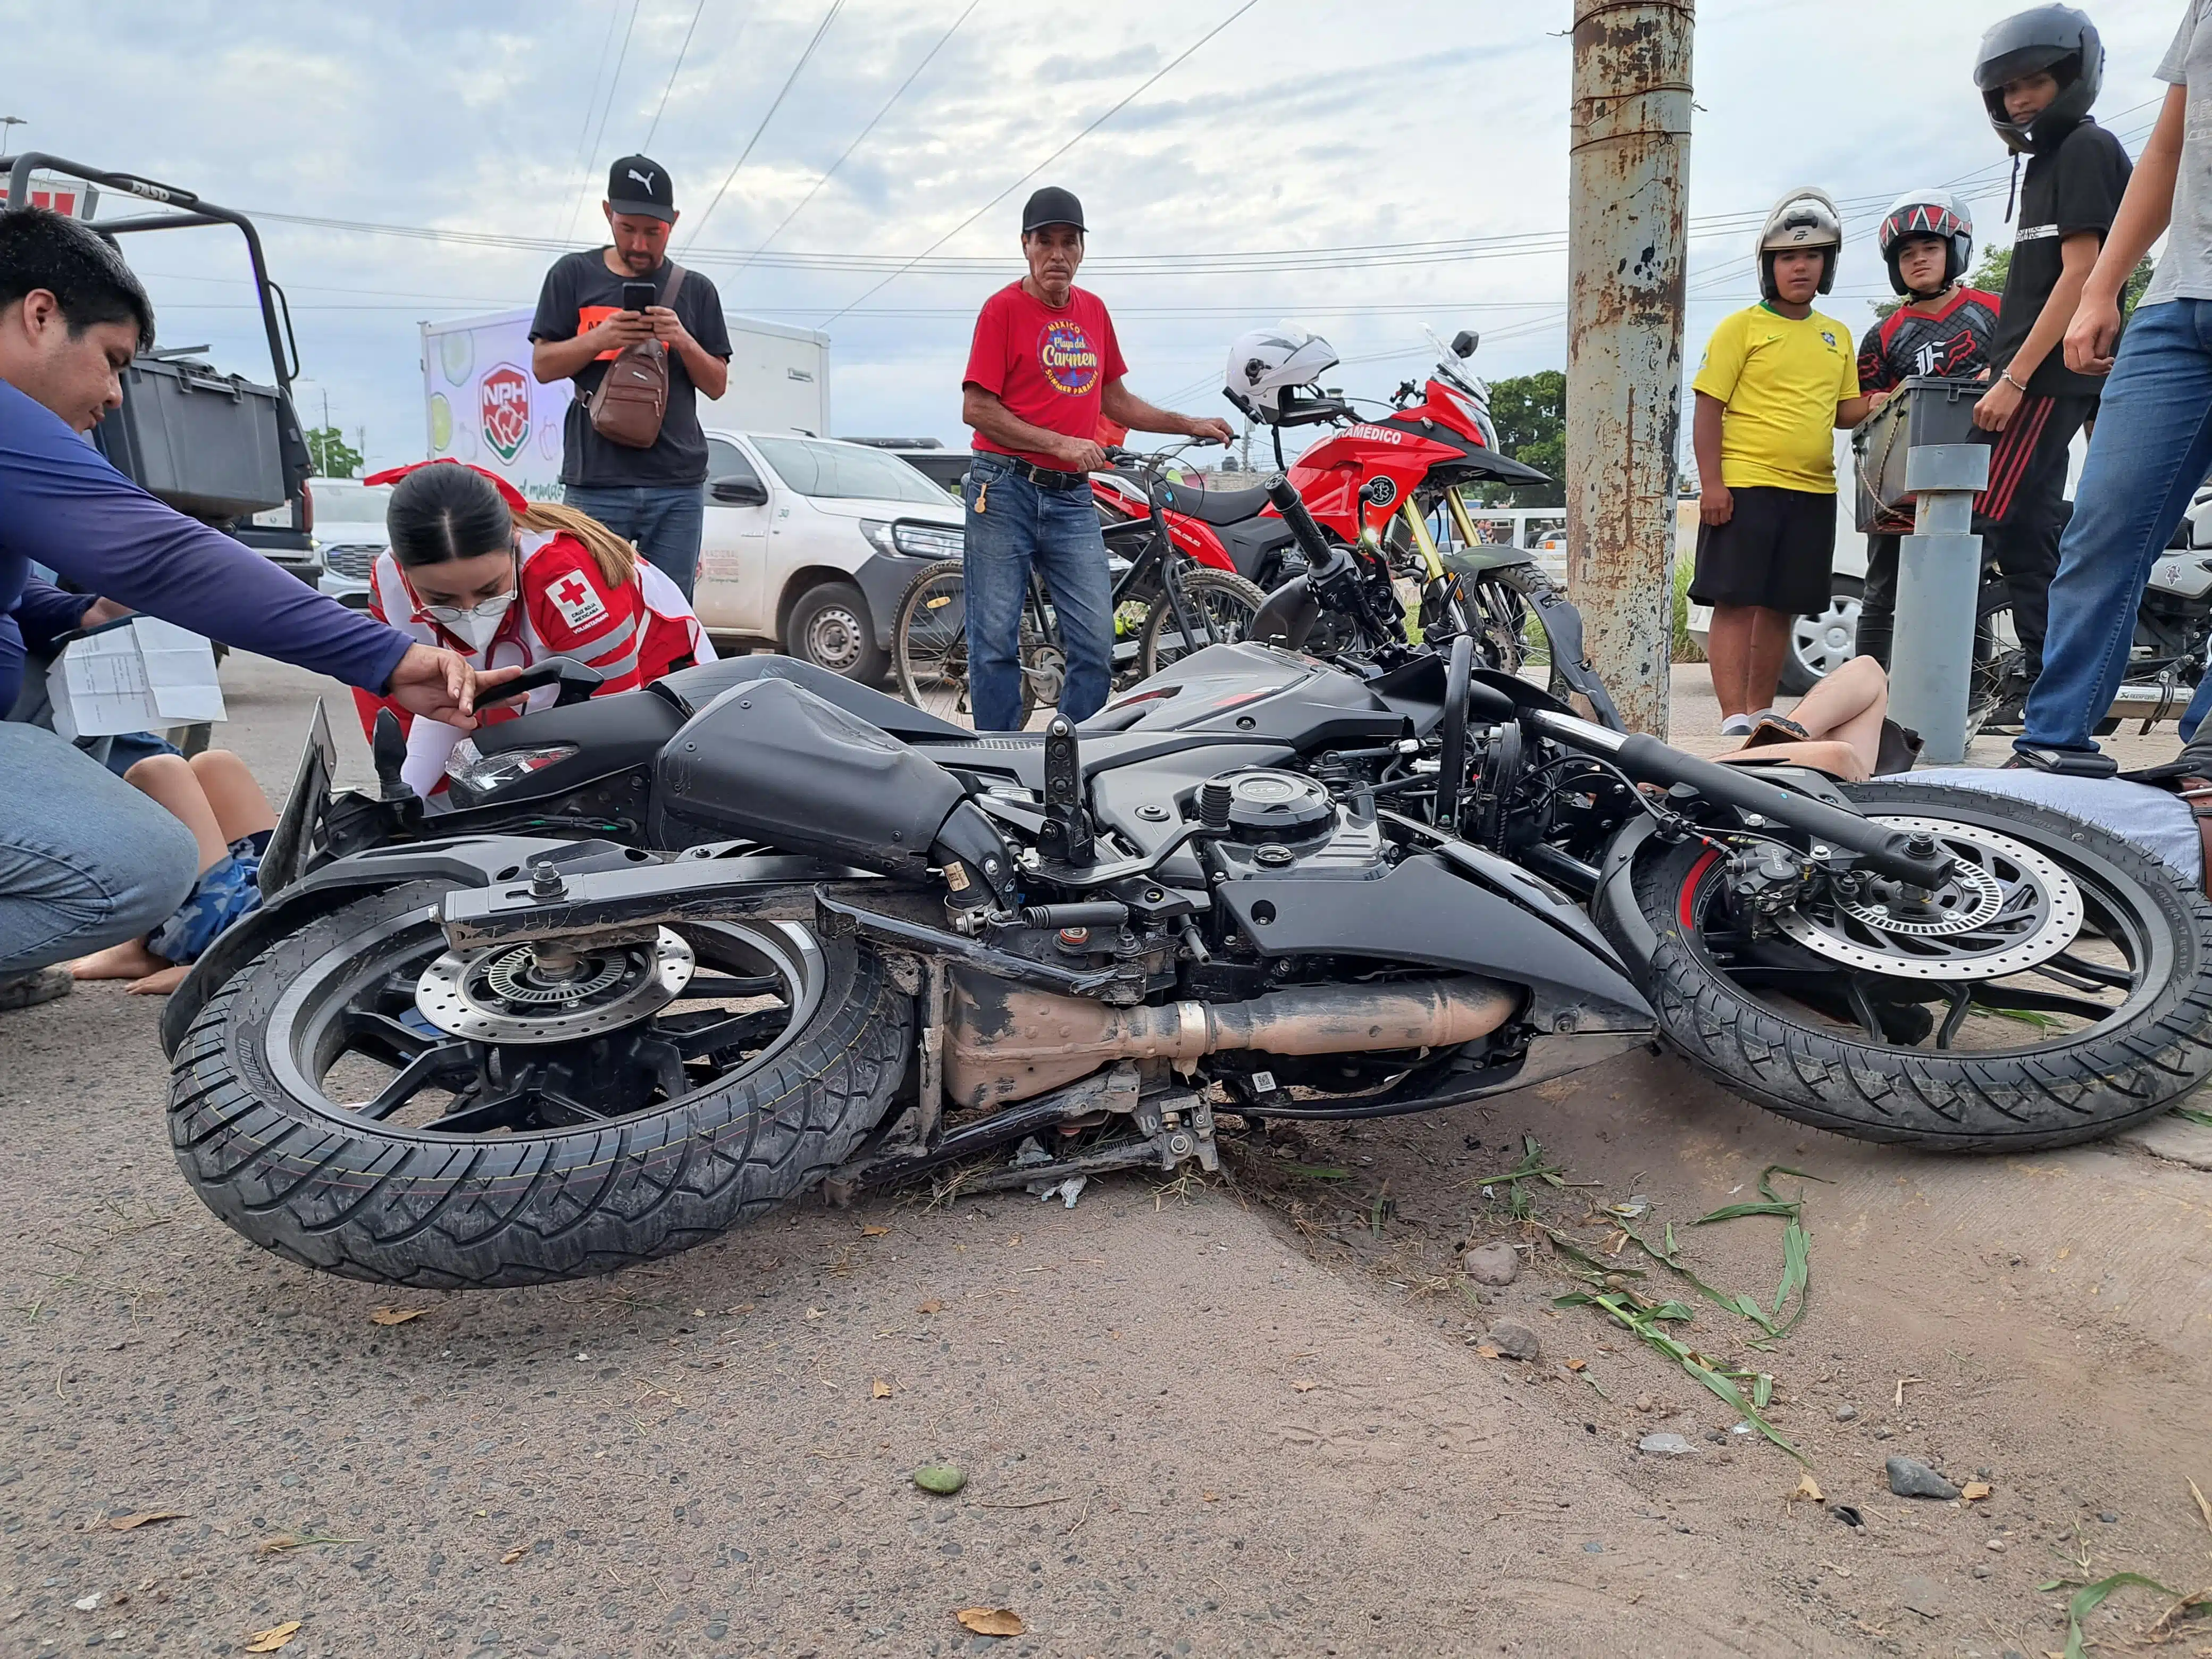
(1628, 159)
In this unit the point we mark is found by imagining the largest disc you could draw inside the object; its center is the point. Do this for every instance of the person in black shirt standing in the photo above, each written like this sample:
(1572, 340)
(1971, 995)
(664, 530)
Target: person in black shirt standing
(655, 497)
(2039, 72)
(1944, 328)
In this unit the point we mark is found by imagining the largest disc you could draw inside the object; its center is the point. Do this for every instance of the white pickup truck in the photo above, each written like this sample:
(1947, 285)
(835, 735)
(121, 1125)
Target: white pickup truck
(810, 542)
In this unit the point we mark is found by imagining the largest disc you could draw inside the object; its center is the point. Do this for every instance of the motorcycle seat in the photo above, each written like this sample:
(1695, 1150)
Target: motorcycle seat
(1218, 508)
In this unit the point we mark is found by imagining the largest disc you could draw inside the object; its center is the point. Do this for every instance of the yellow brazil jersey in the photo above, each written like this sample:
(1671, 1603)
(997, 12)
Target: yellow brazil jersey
(1781, 378)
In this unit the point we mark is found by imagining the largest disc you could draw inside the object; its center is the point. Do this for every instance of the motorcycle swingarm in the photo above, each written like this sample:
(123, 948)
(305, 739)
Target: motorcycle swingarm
(1169, 1127)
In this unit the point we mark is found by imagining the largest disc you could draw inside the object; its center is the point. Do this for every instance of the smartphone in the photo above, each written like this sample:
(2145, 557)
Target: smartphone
(636, 296)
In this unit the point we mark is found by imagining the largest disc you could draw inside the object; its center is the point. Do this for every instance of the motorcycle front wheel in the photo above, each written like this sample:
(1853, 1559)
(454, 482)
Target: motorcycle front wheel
(359, 1099)
(2059, 991)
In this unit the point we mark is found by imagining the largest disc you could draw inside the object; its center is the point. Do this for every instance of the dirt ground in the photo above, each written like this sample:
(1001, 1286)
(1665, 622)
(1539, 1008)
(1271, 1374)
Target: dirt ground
(1250, 1417)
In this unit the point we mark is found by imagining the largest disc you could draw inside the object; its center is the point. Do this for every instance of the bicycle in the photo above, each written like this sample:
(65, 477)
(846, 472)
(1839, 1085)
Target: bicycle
(1165, 605)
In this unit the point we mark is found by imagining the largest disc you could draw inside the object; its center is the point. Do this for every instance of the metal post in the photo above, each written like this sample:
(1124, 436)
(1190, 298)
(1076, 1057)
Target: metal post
(1939, 577)
(1629, 158)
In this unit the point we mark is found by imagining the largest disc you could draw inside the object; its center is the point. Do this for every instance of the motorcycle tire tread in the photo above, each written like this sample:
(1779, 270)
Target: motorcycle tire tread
(1962, 1102)
(371, 1203)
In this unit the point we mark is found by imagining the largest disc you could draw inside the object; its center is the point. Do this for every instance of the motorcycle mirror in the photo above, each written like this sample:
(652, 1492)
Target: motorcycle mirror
(1464, 342)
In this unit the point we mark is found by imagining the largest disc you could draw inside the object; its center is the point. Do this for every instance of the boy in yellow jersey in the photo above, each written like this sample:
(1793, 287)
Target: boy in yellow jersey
(1777, 380)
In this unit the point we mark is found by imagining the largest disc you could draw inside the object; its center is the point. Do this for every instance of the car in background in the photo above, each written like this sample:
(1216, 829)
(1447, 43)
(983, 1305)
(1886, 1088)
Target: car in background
(810, 544)
(349, 526)
(928, 456)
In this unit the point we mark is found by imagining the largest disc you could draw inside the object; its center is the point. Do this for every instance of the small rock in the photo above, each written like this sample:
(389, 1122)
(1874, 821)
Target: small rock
(1984, 1475)
(1881, 1434)
(1645, 1403)
(1909, 1478)
(1924, 1597)
(1997, 1544)
(940, 1477)
(1846, 1413)
(1981, 1568)
(1666, 1445)
(1514, 1340)
(2108, 1517)
(1492, 1264)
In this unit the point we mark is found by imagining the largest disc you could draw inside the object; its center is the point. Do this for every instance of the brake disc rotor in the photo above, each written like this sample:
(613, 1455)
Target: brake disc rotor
(535, 993)
(2006, 908)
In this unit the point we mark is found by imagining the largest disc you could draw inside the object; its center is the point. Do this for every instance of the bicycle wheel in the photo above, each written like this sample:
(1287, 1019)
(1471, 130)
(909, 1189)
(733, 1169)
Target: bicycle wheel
(1220, 608)
(929, 647)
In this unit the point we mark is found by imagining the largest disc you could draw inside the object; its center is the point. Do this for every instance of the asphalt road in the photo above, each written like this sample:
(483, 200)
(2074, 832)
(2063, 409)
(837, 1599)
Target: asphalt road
(1250, 1418)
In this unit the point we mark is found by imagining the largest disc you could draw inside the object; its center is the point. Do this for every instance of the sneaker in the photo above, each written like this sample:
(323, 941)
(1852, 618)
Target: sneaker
(39, 985)
(1737, 725)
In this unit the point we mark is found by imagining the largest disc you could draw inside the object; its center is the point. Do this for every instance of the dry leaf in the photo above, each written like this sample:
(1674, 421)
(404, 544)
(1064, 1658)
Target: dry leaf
(1840, 1572)
(873, 1232)
(282, 1541)
(514, 1555)
(814, 1313)
(1303, 1386)
(2203, 1508)
(1014, 1239)
(882, 1390)
(1974, 1491)
(146, 1518)
(991, 1621)
(931, 1306)
(267, 1641)
(396, 1316)
(1487, 1352)
(1211, 1497)
(1578, 1364)
(1809, 1487)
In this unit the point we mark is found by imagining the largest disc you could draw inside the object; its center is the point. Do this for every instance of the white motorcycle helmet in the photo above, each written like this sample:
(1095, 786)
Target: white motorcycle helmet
(1806, 217)
(1268, 364)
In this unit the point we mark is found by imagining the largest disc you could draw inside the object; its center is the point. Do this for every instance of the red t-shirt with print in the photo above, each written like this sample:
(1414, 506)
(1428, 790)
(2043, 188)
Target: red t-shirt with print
(1050, 368)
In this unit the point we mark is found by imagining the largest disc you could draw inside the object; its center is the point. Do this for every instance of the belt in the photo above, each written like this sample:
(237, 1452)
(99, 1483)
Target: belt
(1043, 476)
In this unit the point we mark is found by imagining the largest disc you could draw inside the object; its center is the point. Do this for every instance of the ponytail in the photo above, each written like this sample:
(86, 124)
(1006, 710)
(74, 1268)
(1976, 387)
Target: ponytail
(617, 558)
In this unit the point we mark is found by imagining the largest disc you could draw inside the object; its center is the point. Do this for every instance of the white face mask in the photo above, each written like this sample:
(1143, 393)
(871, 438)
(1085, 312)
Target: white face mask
(477, 625)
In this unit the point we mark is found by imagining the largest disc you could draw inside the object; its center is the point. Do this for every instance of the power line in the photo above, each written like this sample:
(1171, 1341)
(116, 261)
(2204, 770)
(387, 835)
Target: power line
(680, 52)
(583, 193)
(1152, 82)
(614, 10)
(864, 132)
(821, 29)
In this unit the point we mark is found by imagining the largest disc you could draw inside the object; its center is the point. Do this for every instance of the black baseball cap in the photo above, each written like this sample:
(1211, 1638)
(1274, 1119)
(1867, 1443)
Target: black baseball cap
(1052, 206)
(639, 184)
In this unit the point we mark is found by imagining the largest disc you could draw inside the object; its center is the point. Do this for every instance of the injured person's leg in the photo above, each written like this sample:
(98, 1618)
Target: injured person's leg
(1836, 727)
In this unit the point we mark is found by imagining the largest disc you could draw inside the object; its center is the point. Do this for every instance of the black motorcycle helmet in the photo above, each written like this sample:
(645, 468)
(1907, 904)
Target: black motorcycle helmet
(2058, 38)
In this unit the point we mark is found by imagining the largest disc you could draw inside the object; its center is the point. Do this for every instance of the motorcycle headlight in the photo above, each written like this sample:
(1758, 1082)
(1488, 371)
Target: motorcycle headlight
(474, 775)
(913, 541)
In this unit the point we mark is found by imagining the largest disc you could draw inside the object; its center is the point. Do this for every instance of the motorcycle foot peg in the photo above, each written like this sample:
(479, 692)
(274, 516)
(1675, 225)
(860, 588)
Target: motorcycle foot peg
(2068, 762)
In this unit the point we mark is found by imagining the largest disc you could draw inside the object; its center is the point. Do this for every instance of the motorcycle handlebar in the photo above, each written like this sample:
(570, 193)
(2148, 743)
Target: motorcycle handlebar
(1322, 559)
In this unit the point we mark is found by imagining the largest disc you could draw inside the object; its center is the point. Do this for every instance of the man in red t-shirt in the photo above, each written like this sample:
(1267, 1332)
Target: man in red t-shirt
(1044, 371)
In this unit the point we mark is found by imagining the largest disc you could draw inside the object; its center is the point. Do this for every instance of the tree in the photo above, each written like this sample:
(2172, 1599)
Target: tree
(334, 458)
(1530, 413)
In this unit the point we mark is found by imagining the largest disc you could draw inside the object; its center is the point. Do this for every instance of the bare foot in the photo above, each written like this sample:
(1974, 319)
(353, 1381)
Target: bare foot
(161, 984)
(129, 960)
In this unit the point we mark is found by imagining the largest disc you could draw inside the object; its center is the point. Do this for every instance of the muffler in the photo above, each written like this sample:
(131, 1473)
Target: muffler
(1009, 1043)
(2150, 700)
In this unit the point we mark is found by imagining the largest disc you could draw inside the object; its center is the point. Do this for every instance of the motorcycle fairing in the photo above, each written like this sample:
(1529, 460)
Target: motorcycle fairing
(693, 688)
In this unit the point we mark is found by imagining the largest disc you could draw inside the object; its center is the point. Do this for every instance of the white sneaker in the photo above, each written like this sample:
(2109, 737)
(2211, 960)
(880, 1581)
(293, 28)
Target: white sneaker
(1737, 725)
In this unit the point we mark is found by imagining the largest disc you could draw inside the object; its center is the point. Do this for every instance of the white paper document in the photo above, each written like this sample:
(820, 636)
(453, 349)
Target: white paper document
(141, 678)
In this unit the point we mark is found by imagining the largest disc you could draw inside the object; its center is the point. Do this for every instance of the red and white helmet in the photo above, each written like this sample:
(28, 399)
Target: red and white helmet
(1928, 213)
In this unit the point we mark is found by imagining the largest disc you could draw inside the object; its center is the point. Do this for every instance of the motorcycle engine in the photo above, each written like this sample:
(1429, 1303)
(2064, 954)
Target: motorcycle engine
(1270, 822)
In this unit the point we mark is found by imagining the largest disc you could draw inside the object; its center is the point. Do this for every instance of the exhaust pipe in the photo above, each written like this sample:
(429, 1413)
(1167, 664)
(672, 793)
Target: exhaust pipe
(2150, 700)
(1009, 1043)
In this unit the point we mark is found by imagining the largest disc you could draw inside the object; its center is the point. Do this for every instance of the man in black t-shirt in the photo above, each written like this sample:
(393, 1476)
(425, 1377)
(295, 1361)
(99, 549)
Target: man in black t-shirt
(656, 497)
(2039, 72)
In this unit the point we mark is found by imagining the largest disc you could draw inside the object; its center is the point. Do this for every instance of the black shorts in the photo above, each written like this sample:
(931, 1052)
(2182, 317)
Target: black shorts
(1776, 551)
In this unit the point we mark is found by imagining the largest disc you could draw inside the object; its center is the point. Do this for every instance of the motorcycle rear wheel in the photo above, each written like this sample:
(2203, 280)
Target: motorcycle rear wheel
(316, 1110)
(2124, 1033)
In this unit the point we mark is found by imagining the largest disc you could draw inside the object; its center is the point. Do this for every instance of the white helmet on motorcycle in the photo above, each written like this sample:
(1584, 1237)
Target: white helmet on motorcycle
(1935, 213)
(1805, 218)
(1268, 363)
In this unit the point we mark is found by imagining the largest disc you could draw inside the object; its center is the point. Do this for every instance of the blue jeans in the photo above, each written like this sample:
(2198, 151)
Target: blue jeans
(662, 522)
(1011, 525)
(2151, 449)
(85, 860)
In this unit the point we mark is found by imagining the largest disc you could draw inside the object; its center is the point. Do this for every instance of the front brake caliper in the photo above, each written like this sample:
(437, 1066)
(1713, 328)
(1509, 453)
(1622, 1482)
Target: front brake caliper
(1765, 881)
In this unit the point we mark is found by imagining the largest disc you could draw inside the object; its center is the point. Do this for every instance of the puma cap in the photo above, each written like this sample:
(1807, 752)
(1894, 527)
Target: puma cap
(639, 184)
(1051, 206)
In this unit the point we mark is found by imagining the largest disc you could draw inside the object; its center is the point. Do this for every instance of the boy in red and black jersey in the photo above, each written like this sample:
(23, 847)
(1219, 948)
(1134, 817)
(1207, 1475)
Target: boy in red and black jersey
(1944, 328)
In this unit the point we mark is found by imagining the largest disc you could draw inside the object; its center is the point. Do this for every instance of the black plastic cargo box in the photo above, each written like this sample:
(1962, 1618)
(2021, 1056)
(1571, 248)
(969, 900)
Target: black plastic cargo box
(1927, 409)
(205, 443)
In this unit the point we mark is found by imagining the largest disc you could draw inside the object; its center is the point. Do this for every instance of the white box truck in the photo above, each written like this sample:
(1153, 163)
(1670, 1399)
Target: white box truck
(484, 406)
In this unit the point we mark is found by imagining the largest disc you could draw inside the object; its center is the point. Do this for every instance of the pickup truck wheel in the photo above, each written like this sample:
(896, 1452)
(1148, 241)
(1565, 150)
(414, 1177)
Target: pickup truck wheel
(831, 628)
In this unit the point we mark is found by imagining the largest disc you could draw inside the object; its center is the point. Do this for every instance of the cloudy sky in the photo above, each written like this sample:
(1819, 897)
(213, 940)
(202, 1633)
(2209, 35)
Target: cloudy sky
(409, 160)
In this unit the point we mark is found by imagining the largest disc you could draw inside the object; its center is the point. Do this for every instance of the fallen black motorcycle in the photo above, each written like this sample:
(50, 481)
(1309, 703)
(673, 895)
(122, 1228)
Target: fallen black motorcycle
(681, 955)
